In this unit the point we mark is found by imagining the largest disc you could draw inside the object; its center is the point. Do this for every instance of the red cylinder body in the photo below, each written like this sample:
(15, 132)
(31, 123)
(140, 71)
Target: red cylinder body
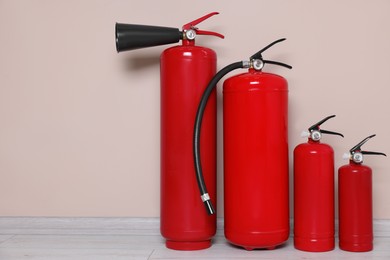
(185, 73)
(355, 208)
(256, 160)
(314, 197)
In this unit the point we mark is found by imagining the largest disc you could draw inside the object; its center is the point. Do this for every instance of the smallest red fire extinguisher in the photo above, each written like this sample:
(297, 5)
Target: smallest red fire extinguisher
(355, 201)
(314, 192)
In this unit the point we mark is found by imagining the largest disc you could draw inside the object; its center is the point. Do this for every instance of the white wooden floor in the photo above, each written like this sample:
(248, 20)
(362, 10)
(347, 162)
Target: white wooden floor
(136, 238)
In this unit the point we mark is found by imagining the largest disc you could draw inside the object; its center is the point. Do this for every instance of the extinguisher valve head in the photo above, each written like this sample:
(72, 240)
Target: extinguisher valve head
(315, 135)
(257, 64)
(190, 34)
(357, 157)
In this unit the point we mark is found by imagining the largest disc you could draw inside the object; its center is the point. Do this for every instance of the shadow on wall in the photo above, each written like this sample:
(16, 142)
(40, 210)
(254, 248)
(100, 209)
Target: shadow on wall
(141, 62)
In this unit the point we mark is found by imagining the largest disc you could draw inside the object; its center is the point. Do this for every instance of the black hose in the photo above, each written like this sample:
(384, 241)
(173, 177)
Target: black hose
(198, 124)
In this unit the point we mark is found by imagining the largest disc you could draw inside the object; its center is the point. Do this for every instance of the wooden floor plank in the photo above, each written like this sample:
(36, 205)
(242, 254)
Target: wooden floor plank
(137, 238)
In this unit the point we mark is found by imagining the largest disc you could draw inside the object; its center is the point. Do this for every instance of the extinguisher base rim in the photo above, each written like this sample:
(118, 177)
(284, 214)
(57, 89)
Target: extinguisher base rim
(314, 245)
(351, 247)
(188, 245)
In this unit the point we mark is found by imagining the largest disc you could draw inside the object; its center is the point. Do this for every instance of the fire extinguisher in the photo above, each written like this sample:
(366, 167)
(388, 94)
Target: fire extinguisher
(314, 192)
(255, 154)
(185, 71)
(355, 201)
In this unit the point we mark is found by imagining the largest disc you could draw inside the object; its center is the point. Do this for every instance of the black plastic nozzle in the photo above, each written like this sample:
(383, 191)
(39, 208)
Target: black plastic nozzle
(209, 207)
(134, 36)
(316, 128)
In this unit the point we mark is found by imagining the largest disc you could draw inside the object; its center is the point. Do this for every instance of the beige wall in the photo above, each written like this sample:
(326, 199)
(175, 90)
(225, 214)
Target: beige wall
(79, 132)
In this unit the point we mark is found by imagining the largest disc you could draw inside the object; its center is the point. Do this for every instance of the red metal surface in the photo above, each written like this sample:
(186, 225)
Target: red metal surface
(256, 160)
(185, 72)
(355, 208)
(314, 197)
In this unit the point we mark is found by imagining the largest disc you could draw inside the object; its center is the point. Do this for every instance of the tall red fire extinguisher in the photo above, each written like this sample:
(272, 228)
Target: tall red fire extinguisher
(255, 153)
(314, 192)
(185, 71)
(355, 201)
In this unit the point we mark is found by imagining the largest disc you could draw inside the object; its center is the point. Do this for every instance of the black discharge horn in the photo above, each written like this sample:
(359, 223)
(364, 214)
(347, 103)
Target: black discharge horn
(134, 36)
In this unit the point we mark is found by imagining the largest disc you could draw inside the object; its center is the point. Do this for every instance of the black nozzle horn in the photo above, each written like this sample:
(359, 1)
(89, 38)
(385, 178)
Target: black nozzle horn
(134, 36)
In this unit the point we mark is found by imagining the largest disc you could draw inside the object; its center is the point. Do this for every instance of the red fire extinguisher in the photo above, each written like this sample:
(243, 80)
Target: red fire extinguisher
(314, 192)
(185, 71)
(255, 153)
(355, 201)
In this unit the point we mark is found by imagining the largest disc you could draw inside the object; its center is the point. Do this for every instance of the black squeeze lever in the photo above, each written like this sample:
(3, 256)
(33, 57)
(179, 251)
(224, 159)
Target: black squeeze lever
(358, 148)
(258, 55)
(315, 131)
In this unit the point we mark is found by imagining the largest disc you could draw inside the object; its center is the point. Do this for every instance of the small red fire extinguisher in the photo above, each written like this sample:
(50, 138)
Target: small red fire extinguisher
(355, 201)
(185, 71)
(314, 192)
(255, 153)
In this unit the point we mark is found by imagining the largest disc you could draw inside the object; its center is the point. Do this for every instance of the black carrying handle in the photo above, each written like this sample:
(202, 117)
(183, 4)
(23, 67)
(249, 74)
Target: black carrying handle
(316, 126)
(134, 36)
(259, 55)
(358, 147)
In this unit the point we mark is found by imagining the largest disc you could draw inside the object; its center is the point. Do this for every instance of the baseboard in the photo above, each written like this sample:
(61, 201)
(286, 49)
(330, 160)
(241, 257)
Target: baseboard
(112, 225)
